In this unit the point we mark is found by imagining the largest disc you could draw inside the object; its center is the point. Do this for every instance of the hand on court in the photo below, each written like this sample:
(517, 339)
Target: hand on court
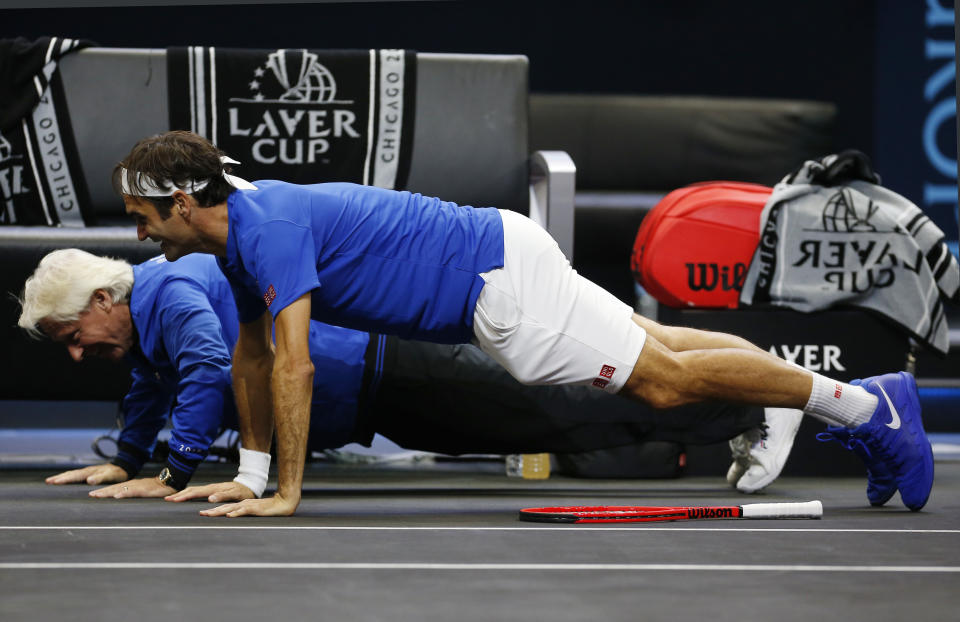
(95, 474)
(146, 487)
(269, 506)
(215, 493)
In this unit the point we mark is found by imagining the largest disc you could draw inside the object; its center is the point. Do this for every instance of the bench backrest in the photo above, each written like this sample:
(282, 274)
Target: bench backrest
(651, 143)
(470, 126)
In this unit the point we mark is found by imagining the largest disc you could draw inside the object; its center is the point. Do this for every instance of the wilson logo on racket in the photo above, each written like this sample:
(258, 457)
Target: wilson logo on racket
(710, 513)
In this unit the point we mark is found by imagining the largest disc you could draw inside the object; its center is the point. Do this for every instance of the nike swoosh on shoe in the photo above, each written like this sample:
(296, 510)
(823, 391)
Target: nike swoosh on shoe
(895, 416)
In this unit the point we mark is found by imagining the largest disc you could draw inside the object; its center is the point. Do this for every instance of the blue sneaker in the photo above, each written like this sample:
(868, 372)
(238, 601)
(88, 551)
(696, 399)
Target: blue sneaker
(881, 485)
(894, 436)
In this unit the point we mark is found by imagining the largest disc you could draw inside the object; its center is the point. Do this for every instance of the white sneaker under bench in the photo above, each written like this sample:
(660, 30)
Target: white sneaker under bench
(759, 454)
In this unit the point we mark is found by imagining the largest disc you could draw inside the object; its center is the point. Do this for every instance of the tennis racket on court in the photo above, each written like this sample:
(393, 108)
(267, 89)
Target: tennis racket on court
(643, 514)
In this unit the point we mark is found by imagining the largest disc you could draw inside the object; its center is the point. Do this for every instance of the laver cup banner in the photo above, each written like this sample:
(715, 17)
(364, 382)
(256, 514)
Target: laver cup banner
(302, 116)
(41, 182)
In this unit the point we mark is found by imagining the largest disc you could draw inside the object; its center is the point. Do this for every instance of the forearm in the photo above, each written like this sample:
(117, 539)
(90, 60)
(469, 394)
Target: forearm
(251, 388)
(292, 390)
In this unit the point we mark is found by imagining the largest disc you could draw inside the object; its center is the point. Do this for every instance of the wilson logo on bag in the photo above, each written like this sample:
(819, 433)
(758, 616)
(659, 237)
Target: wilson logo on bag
(694, 247)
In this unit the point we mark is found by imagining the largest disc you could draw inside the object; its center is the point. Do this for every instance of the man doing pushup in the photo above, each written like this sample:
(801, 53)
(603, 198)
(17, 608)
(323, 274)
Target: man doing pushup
(425, 269)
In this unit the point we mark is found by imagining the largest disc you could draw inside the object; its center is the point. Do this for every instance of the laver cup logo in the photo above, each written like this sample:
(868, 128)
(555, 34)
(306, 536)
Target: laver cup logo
(301, 116)
(844, 213)
(846, 248)
(292, 112)
(297, 77)
(865, 256)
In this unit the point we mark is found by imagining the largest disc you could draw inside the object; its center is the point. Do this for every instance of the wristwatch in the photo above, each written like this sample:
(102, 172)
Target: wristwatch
(166, 478)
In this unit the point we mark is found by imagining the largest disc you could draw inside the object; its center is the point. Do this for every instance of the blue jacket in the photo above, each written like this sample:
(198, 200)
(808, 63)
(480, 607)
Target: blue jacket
(186, 326)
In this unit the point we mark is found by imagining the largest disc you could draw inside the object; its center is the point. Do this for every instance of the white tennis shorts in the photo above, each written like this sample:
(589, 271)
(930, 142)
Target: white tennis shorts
(545, 323)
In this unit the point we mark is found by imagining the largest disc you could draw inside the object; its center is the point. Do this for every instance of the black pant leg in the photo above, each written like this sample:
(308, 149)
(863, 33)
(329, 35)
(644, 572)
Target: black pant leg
(454, 399)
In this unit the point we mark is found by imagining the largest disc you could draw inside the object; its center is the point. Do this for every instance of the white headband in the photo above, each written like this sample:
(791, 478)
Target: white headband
(152, 189)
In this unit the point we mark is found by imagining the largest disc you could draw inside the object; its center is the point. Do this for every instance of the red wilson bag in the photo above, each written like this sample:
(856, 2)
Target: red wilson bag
(694, 247)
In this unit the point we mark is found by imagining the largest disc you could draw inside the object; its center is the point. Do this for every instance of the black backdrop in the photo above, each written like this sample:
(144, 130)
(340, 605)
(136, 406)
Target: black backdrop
(816, 49)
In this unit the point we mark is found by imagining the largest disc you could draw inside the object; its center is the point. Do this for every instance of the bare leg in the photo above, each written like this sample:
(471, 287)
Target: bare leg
(703, 365)
(681, 338)
(677, 366)
(759, 455)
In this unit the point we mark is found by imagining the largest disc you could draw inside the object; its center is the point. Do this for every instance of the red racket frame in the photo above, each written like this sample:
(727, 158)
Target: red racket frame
(642, 513)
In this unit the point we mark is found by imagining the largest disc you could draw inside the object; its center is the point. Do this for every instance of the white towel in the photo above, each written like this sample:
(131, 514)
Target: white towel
(852, 243)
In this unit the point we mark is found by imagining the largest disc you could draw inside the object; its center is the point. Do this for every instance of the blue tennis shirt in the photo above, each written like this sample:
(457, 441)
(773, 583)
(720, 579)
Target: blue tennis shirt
(186, 327)
(373, 259)
(182, 362)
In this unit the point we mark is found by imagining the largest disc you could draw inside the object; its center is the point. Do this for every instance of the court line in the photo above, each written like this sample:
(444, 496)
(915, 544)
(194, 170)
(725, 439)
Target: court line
(480, 566)
(635, 528)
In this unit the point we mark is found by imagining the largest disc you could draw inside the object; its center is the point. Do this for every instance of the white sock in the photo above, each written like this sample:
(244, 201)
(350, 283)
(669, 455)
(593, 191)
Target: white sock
(839, 403)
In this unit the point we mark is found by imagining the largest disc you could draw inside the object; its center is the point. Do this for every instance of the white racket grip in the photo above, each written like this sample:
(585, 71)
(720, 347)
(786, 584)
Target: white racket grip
(806, 509)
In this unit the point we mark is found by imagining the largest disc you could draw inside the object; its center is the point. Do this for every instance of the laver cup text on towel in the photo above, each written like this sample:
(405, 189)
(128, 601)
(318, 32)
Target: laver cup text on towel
(304, 116)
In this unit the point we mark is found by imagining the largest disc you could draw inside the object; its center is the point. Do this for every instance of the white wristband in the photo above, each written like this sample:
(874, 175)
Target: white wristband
(254, 470)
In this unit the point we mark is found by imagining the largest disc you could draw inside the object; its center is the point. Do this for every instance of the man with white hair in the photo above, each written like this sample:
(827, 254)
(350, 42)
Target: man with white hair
(176, 323)
(165, 323)
(427, 269)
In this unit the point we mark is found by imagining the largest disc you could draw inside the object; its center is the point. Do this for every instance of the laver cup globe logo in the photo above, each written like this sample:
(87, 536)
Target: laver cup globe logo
(849, 212)
(293, 76)
(301, 116)
(292, 111)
